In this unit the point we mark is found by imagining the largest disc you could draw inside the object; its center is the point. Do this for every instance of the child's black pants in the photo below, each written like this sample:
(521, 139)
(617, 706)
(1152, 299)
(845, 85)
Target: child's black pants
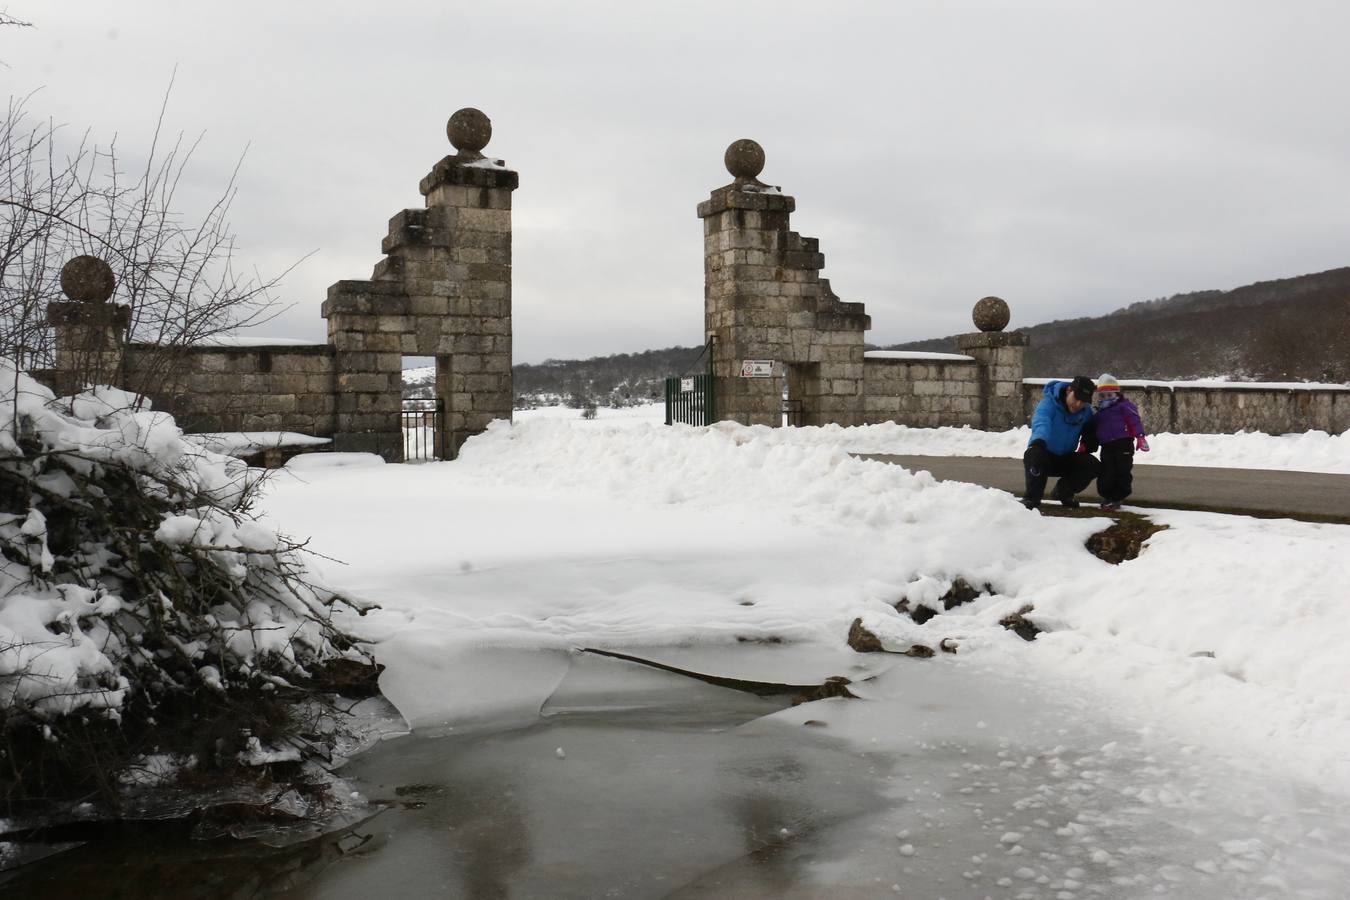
(1116, 479)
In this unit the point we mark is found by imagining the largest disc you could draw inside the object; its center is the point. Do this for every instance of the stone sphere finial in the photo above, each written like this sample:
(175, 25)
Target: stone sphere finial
(87, 279)
(469, 130)
(744, 159)
(990, 314)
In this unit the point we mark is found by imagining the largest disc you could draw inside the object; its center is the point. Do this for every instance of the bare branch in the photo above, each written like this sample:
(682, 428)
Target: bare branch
(177, 275)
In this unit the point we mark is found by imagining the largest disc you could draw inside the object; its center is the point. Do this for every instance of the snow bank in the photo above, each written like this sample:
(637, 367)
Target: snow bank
(559, 533)
(1313, 451)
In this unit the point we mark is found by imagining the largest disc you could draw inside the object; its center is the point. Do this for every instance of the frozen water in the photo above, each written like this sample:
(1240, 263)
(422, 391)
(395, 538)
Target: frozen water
(665, 788)
(632, 782)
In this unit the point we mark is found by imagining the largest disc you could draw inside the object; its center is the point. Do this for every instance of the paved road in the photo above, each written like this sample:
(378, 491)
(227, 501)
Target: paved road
(1260, 492)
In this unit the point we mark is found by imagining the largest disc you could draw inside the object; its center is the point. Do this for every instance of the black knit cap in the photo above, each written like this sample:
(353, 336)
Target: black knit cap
(1082, 388)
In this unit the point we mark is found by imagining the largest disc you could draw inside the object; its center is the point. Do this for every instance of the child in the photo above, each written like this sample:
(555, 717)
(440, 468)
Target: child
(1120, 432)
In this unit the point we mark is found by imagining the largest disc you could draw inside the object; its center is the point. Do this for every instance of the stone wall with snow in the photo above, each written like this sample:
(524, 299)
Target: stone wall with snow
(269, 387)
(1217, 407)
(921, 390)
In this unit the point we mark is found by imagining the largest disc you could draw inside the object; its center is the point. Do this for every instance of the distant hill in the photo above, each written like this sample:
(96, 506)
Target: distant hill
(624, 379)
(1293, 329)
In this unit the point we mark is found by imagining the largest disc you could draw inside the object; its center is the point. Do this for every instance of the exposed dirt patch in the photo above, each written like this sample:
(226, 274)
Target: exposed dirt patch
(1124, 539)
(1020, 625)
(960, 592)
(963, 591)
(864, 641)
(919, 614)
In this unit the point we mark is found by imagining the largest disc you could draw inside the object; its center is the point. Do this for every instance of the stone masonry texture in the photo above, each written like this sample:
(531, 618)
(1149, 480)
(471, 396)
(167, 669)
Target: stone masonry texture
(267, 388)
(442, 290)
(999, 357)
(764, 299)
(89, 342)
(922, 393)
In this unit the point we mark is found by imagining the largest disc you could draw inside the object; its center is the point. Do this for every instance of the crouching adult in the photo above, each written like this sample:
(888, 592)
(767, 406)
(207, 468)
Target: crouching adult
(1056, 426)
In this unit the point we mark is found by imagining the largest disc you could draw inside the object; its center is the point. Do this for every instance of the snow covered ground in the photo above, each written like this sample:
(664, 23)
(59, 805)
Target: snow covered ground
(1313, 451)
(561, 533)
(1220, 651)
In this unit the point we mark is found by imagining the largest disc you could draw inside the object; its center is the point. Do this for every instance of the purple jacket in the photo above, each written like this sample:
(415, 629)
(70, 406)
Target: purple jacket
(1117, 420)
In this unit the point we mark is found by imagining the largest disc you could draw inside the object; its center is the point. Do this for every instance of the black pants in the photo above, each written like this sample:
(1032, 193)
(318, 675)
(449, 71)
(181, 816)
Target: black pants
(1074, 470)
(1116, 479)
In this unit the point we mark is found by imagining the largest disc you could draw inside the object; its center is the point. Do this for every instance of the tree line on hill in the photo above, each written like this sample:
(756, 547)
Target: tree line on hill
(1292, 329)
(623, 379)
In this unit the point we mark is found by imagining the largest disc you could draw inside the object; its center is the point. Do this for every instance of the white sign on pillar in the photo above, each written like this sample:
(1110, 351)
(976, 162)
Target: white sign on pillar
(756, 368)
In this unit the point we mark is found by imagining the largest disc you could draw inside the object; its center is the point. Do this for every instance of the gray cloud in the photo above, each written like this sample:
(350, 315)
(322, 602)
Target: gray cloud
(1069, 157)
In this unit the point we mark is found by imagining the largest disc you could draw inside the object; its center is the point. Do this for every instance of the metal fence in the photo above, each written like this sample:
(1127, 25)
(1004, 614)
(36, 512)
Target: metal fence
(689, 400)
(423, 429)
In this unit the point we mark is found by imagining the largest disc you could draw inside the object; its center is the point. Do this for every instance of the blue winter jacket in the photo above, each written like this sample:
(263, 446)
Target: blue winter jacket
(1053, 423)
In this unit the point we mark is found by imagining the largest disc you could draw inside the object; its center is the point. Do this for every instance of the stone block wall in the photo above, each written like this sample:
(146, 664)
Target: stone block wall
(764, 299)
(999, 355)
(443, 290)
(246, 388)
(89, 348)
(1188, 408)
(922, 392)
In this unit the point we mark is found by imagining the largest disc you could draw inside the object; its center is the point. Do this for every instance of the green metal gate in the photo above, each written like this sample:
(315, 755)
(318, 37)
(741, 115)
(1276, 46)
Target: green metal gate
(689, 398)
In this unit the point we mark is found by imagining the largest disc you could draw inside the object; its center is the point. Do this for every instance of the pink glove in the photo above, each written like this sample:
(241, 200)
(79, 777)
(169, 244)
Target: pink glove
(1141, 444)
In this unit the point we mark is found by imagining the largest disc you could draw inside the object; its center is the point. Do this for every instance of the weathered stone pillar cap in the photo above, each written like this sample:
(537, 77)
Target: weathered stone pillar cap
(744, 160)
(87, 279)
(991, 314)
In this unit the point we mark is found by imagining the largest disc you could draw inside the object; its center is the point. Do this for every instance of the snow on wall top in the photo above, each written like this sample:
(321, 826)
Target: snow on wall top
(1213, 383)
(235, 443)
(917, 355)
(244, 340)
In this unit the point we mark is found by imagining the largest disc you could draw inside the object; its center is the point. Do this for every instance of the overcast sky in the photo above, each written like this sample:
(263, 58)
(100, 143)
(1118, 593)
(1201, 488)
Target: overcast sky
(1070, 157)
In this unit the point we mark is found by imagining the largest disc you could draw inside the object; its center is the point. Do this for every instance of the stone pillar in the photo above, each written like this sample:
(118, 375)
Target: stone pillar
(764, 299)
(443, 290)
(999, 355)
(469, 196)
(89, 332)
